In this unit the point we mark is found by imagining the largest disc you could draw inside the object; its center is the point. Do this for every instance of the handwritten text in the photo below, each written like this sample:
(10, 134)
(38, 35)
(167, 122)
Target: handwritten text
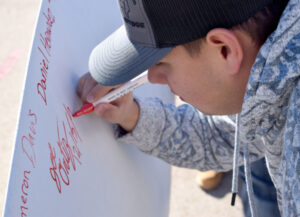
(68, 152)
(24, 196)
(45, 50)
(27, 141)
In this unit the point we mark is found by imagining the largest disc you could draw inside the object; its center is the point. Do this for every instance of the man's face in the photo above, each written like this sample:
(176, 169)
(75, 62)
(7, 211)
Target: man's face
(201, 80)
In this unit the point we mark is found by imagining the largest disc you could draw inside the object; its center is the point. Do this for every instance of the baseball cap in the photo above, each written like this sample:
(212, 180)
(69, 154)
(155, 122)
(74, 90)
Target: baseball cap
(153, 27)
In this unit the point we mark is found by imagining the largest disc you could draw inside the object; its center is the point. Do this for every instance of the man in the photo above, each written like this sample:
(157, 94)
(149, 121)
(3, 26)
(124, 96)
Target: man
(222, 58)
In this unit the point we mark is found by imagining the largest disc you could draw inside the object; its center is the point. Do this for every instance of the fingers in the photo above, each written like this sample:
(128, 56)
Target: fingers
(89, 90)
(89, 85)
(98, 91)
(116, 111)
(81, 84)
(85, 84)
(108, 111)
(123, 111)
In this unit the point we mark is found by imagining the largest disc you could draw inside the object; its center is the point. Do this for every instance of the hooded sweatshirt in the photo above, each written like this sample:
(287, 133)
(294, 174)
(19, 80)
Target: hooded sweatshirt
(268, 125)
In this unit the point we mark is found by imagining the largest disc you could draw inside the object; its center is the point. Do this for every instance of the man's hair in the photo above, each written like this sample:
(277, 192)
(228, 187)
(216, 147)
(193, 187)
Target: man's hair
(259, 27)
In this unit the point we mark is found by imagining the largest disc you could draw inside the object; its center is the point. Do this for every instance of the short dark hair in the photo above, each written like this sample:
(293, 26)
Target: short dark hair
(259, 27)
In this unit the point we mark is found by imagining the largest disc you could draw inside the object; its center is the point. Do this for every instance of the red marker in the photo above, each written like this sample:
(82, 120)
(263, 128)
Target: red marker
(113, 95)
(85, 109)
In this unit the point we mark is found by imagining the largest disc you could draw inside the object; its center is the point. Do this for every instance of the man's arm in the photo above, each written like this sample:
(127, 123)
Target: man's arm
(181, 136)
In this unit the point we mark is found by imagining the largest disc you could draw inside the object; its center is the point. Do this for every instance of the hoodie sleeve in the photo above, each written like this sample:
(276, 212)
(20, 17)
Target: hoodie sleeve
(183, 136)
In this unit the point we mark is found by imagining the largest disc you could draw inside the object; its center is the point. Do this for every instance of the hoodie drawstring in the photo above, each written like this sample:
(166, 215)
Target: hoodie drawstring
(235, 171)
(249, 182)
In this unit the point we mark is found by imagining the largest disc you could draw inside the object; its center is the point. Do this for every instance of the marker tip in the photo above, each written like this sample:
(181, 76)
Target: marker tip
(85, 109)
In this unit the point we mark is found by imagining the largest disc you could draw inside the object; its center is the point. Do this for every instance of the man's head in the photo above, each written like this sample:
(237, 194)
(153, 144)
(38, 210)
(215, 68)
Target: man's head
(210, 72)
(214, 80)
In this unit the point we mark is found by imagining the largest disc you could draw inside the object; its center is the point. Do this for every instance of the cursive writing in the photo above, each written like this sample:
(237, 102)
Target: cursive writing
(27, 141)
(45, 50)
(24, 196)
(68, 154)
(29, 138)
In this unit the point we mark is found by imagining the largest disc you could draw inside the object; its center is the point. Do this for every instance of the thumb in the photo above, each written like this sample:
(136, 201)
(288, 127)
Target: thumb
(108, 111)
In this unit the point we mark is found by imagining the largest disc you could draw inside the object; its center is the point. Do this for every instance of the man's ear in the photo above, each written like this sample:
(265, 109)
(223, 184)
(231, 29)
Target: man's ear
(229, 47)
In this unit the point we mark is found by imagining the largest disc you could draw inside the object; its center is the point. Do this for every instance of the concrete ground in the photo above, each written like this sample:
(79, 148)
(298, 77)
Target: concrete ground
(17, 21)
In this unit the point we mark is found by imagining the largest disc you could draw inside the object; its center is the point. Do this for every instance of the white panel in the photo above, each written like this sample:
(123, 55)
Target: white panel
(67, 167)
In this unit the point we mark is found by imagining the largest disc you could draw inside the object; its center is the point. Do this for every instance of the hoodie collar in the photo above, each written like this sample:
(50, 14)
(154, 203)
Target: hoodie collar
(271, 79)
(272, 76)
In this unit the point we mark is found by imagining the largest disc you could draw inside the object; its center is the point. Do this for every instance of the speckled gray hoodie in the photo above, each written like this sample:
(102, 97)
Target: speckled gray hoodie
(268, 126)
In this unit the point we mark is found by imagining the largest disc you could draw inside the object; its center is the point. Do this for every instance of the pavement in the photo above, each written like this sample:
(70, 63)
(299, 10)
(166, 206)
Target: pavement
(17, 22)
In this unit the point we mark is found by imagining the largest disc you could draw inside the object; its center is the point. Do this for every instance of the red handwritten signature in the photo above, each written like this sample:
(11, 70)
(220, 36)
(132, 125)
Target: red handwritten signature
(68, 154)
(46, 41)
(27, 145)
(27, 142)
(24, 196)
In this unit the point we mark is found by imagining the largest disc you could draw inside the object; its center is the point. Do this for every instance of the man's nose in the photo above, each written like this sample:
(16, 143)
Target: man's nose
(156, 76)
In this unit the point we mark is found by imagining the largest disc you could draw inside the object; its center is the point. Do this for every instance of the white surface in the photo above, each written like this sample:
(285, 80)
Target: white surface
(106, 179)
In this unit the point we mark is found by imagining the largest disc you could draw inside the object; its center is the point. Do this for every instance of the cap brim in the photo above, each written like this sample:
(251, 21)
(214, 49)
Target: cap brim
(117, 60)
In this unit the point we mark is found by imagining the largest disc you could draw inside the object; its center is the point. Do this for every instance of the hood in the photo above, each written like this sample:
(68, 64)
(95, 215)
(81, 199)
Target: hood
(272, 78)
(273, 75)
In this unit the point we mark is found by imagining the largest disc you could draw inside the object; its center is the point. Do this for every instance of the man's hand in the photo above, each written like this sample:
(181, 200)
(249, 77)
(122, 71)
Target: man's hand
(123, 111)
